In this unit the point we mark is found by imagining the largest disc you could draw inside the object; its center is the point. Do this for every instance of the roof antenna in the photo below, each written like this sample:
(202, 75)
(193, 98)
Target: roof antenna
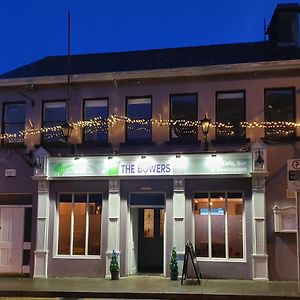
(265, 29)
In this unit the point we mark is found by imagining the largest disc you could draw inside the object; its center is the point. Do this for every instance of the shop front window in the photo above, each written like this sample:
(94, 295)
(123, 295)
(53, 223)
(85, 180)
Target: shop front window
(219, 225)
(79, 224)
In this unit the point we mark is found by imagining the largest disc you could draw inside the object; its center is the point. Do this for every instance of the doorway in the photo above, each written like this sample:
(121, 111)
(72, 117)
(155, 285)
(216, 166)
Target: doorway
(150, 240)
(146, 242)
(11, 239)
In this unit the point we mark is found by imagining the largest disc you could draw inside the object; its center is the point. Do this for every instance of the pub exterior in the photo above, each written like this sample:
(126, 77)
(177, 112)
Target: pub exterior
(121, 159)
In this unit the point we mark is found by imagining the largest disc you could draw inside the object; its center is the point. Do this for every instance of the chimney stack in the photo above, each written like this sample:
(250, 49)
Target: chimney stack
(283, 29)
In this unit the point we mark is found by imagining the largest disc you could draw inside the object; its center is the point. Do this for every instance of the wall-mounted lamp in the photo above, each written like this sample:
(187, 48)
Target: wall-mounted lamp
(259, 161)
(109, 157)
(76, 158)
(178, 155)
(205, 125)
(66, 129)
(143, 156)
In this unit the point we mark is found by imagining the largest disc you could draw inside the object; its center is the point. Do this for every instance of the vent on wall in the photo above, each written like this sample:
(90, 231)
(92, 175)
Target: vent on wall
(10, 172)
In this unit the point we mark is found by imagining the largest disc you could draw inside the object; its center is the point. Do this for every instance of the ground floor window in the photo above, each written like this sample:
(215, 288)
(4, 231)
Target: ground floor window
(79, 223)
(219, 225)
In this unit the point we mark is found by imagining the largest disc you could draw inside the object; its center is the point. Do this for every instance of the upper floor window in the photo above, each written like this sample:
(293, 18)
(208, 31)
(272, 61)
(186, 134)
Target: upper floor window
(54, 114)
(79, 224)
(219, 225)
(185, 108)
(96, 109)
(13, 122)
(139, 109)
(230, 112)
(279, 106)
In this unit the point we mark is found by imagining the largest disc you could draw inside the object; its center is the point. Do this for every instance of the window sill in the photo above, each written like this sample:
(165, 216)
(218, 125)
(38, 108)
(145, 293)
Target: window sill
(94, 144)
(89, 257)
(223, 260)
(61, 144)
(14, 145)
(222, 141)
(290, 139)
(183, 142)
(137, 143)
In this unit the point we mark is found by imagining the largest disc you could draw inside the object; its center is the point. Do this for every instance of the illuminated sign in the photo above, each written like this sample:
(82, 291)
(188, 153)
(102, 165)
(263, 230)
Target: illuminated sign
(152, 165)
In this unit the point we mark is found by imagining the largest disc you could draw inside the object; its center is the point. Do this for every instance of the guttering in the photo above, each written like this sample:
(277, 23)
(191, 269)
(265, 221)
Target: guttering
(159, 73)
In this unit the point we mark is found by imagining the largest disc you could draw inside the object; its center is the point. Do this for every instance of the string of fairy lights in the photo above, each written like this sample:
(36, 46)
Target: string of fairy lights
(99, 124)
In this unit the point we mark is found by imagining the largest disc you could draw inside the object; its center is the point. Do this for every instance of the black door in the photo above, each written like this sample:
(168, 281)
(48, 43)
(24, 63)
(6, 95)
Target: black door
(151, 230)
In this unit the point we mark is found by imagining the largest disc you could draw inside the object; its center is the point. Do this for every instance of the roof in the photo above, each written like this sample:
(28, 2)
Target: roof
(172, 58)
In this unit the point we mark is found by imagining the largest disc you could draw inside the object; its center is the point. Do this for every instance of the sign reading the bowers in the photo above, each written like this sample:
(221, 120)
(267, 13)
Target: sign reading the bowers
(293, 175)
(152, 165)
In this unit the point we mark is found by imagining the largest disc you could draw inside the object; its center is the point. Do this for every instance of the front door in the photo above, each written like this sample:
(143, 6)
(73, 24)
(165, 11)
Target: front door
(11, 239)
(150, 240)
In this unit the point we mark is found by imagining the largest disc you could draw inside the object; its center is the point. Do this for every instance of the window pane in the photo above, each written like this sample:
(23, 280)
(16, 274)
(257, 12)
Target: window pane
(96, 109)
(65, 210)
(14, 113)
(231, 111)
(235, 228)
(14, 122)
(79, 224)
(183, 107)
(139, 109)
(95, 215)
(54, 115)
(149, 223)
(279, 106)
(54, 111)
(217, 215)
(201, 209)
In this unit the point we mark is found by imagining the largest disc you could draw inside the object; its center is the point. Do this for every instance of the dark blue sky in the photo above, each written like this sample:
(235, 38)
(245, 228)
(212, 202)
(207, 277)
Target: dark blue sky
(32, 29)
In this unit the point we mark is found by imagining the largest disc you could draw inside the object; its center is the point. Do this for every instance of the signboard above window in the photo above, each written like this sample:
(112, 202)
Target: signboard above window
(153, 165)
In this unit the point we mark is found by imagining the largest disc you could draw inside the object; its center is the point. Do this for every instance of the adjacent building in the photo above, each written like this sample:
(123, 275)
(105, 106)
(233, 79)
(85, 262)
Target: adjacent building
(142, 151)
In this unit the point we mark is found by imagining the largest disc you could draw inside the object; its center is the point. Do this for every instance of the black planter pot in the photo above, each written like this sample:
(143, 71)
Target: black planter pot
(174, 275)
(114, 275)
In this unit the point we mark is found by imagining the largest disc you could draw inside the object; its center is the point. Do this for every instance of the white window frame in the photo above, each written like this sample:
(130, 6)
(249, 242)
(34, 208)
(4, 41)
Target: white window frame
(226, 258)
(56, 229)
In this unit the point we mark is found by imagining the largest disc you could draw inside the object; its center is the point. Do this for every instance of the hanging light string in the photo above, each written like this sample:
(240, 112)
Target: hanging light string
(99, 124)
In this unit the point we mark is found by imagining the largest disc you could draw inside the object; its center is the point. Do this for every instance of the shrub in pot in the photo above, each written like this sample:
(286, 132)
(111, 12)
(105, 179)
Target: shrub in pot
(173, 265)
(114, 266)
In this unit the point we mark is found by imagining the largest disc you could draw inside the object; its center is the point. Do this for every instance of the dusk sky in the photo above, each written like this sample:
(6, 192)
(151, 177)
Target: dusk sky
(33, 29)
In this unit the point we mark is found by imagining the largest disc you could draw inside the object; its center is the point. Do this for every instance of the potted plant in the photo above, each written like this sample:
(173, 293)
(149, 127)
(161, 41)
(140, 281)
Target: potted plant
(114, 266)
(174, 265)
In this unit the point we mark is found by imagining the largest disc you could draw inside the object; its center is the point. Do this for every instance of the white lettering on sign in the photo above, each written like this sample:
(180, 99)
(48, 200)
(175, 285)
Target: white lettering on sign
(145, 169)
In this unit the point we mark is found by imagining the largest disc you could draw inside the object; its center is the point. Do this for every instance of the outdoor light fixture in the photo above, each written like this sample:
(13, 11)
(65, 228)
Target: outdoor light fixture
(110, 157)
(205, 124)
(66, 129)
(178, 155)
(259, 161)
(143, 156)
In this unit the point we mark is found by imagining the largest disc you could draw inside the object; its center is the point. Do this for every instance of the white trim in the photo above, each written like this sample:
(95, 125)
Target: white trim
(225, 260)
(96, 257)
(160, 73)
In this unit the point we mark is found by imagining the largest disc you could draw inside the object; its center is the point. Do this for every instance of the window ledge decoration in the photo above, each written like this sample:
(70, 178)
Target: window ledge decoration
(285, 219)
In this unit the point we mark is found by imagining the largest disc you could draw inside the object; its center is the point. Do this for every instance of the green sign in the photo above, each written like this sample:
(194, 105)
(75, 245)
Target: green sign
(151, 165)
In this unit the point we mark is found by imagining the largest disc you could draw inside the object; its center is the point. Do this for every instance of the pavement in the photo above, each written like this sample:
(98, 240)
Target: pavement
(147, 287)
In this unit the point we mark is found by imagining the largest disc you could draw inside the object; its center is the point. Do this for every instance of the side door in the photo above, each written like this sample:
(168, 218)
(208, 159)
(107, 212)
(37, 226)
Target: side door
(11, 239)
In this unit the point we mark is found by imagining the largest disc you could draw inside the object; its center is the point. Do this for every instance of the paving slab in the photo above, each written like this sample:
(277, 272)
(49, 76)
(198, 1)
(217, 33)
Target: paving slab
(147, 287)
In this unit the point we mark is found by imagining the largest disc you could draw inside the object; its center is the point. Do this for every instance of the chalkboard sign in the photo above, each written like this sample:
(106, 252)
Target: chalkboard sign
(189, 251)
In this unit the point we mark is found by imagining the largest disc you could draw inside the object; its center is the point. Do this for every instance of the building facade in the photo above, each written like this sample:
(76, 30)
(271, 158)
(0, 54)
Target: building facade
(118, 158)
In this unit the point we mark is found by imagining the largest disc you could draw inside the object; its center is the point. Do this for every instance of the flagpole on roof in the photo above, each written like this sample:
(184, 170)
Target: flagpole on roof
(69, 65)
